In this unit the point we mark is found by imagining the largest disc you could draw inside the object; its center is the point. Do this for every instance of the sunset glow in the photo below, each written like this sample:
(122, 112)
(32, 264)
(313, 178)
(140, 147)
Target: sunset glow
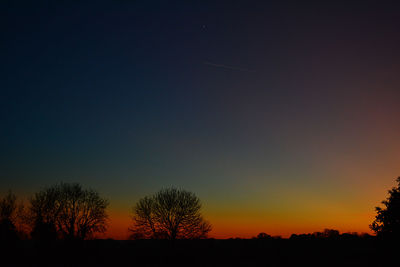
(282, 119)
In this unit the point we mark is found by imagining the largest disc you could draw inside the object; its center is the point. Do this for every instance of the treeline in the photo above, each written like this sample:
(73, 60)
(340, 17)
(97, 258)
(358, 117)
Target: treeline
(71, 212)
(63, 211)
(330, 234)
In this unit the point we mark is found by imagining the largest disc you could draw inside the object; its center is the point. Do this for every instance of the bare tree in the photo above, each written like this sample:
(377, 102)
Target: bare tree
(44, 210)
(169, 214)
(10, 214)
(69, 210)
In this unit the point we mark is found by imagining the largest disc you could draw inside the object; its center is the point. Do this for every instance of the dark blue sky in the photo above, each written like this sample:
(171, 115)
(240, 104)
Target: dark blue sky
(235, 97)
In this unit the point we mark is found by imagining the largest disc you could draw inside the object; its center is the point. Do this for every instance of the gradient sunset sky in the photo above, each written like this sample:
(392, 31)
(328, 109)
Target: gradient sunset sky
(283, 118)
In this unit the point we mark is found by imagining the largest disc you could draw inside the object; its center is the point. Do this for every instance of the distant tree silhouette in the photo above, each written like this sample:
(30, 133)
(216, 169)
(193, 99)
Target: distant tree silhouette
(330, 233)
(67, 211)
(10, 212)
(387, 220)
(263, 236)
(169, 214)
(327, 233)
(44, 210)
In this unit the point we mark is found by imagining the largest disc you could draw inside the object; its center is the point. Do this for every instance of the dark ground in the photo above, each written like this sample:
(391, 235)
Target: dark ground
(232, 252)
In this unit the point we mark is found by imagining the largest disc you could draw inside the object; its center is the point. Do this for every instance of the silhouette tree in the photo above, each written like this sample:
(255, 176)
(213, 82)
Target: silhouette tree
(263, 235)
(169, 214)
(10, 213)
(67, 211)
(330, 233)
(44, 210)
(387, 220)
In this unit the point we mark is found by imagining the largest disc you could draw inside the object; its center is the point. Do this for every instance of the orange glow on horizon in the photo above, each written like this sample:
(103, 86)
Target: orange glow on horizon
(247, 228)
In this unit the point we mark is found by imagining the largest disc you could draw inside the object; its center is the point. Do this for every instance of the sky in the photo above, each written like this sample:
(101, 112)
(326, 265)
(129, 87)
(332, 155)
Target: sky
(282, 117)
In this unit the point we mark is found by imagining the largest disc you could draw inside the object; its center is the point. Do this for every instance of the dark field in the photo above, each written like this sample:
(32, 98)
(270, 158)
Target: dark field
(232, 252)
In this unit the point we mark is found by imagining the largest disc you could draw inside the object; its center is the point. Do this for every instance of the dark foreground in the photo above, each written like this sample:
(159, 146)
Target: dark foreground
(237, 252)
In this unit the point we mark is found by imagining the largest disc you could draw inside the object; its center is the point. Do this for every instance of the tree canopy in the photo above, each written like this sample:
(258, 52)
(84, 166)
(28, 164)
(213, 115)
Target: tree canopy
(67, 211)
(10, 212)
(169, 214)
(387, 220)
